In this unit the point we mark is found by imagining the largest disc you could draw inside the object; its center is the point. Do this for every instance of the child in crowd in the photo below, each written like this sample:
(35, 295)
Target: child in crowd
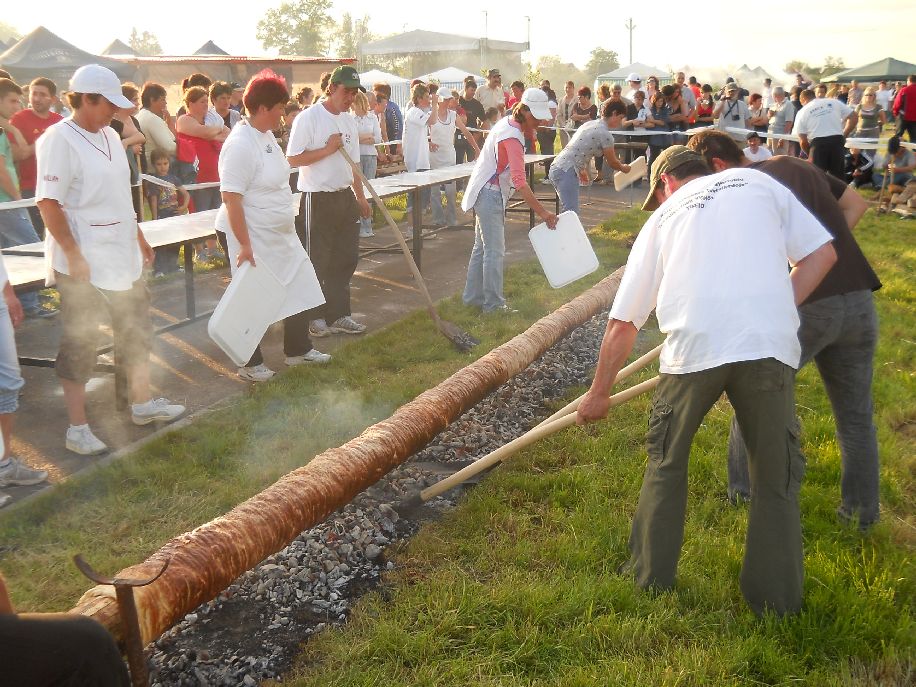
(165, 201)
(490, 117)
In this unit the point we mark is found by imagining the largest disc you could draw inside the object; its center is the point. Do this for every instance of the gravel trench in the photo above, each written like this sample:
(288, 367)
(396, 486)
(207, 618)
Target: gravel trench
(252, 631)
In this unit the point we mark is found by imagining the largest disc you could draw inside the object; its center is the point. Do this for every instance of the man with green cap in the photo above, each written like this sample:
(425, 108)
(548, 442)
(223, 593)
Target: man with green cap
(727, 302)
(332, 201)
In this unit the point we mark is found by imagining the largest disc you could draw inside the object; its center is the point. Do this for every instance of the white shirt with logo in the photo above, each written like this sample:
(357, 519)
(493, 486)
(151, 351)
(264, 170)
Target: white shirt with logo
(311, 130)
(712, 262)
(822, 117)
(87, 173)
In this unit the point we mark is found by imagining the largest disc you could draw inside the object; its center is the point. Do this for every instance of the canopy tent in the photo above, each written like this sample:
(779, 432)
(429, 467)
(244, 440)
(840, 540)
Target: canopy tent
(42, 53)
(620, 75)
(210, 48)
(3, 46)
(887, 69)
(120, 49)
(400, 87)
(426, 51)
(451, 78)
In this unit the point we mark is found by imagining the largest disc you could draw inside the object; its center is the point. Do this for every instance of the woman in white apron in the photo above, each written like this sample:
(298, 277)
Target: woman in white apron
(442, 153)
(95, 251)
(257, 215)
(500, 169)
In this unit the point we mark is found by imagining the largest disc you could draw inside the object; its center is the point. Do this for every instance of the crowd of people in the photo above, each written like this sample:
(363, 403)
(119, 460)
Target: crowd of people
(736, 319)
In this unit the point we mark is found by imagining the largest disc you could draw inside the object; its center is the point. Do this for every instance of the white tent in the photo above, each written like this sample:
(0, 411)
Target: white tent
(400, 87)
(451, 78)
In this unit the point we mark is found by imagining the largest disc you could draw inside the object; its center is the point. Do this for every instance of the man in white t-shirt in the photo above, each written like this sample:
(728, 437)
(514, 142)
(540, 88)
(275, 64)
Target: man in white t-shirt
(883, 96)
(754, 151)
(822, 125)
(332, 200)
(723, 294)
(492, 93)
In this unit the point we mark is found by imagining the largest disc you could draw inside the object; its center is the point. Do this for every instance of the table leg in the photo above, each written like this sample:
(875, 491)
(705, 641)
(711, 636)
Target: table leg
(417, 227)
(120, 375)
(529, 172)
(190, 304)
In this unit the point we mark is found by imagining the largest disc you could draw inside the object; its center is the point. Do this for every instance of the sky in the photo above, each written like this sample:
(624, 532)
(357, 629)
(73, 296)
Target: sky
(666, 33)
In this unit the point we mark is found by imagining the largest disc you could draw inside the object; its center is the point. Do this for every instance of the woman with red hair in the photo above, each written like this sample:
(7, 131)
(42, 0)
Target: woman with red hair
(258, 217)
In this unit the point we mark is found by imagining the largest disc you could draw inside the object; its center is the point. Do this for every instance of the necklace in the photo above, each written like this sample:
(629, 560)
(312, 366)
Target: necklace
(79, 130)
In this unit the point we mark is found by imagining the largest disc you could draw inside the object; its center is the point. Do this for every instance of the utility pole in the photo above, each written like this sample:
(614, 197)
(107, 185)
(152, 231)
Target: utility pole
(529, 33)
(629, 27)
(483, 42)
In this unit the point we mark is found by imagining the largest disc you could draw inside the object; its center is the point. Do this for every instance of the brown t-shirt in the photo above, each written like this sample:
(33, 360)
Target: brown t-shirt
(819, 193)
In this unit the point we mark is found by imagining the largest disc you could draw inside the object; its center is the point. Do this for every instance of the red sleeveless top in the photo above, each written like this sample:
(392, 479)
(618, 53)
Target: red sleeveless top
(205, 151)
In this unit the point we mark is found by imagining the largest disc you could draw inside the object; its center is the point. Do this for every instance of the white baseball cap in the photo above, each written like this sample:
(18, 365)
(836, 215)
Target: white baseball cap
(634, 77)
(536, 100)
(444, 93)
(94, 78)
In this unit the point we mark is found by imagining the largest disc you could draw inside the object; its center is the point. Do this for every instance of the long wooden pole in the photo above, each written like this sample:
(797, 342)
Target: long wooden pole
(536, 434)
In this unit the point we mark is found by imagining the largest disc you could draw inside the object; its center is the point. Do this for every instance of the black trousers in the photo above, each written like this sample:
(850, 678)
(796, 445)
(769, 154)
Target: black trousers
(546, 141)
(58, 649)
(463, 150)
(328, 226)
(903, 126)
(829, 153)
(296, 339)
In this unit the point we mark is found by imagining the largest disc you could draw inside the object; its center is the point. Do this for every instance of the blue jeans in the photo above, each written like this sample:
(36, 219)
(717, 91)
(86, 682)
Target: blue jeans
(15, 230)
(10, 376)
(369, 165)
(484, 286)
(447, 217)
(566, 183)
(899, 178)
(840, 334)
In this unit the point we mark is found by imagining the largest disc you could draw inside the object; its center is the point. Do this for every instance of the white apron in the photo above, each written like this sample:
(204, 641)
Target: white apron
(443, 135)
(485, 167)
(269, 214)
(103, 223)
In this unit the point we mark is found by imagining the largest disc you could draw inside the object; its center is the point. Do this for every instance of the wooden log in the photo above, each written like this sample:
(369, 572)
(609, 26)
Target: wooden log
(206, 560)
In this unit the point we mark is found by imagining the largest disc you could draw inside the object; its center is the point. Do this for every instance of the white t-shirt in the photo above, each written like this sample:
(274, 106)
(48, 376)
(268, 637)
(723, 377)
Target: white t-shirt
(369, 124)
(311, 130)
(631, 94)
(762, 154)
(720, 287)
(883, 98)
(821, 117)
(415, 142)
(87, 173)
(442, 133)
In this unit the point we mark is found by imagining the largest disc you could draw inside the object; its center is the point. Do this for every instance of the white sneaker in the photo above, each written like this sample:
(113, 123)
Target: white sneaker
(347, 325)
(256, 373)
(81, 440)
(4, 499)
(154, 410)
(313, 356)
(319, 328)
(366, 233)
(18, 474)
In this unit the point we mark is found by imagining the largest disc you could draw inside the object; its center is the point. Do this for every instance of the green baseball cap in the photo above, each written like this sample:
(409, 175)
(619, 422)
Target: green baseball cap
(670, 159)
(347, 76)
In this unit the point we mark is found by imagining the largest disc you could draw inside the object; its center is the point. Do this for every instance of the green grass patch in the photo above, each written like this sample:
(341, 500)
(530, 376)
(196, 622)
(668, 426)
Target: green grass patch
(119, 514)
(518, 586)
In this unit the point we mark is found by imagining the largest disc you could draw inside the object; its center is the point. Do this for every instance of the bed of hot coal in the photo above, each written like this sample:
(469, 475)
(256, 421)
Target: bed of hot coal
(253, 630)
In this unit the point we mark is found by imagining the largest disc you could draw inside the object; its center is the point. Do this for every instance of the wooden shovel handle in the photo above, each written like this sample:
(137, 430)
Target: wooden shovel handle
(421, 283)
(635, 366)
(526, 439)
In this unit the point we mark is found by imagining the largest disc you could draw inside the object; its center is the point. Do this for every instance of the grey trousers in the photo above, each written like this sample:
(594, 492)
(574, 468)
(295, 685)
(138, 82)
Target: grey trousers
(840, 334)
(762, 393)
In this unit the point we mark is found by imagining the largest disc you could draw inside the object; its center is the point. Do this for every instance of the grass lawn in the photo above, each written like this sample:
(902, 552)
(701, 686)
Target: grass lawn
(119, 514)
(518, 586)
